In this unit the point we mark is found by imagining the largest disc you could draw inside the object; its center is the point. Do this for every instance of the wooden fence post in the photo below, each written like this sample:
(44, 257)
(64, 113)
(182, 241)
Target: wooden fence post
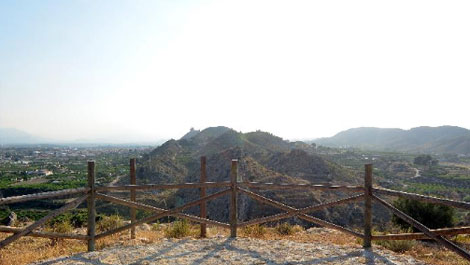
(133, 195)
(91, 206)
(233, 201)
(367, 206)
(203, 194)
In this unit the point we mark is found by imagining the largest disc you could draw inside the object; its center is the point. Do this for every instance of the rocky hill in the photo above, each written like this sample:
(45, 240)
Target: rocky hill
(262, 157)
(443, 139)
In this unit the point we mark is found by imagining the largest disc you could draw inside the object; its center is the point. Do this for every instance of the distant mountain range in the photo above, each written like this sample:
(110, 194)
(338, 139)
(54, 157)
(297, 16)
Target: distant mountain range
(442, 139)
(10, 136)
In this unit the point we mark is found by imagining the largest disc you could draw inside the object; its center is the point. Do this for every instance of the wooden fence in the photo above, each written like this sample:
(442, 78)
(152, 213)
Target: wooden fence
(367, 193)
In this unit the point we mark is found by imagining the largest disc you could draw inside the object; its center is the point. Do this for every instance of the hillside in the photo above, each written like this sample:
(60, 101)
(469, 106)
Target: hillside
(262, 157)
(443, 139)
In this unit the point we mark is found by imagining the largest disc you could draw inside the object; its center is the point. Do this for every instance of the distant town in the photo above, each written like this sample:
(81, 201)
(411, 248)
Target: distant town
(33, 166)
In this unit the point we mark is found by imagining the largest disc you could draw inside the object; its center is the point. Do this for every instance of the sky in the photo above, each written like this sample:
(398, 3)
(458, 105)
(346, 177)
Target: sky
(147, 70)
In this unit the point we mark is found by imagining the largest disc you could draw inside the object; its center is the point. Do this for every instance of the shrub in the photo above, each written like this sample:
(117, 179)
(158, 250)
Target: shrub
(359, 241)
(298, 228)
(31, 214)
(467, 198)
(430, 215)
(462, 239)
(109, 222)
(62, 227)
(285, 229)
(79, 219)
(178, 229)
(254, 230)
(156, 226)
(4, 213)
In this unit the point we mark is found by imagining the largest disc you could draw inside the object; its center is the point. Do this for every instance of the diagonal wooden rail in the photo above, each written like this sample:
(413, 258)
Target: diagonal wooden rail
(290, 211)
(300, 215)
(446, 243)
(146, 207)
(42, 221)
(163, 214)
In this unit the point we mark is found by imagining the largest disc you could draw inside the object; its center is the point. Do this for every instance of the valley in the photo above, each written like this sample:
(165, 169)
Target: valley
(263, 157)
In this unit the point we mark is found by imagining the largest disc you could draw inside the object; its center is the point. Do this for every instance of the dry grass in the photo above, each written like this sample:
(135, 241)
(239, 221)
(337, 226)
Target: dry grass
(109, 223)
(285, 229)
(178, 229)
(257, 231)
(29, 249)
(432, 254)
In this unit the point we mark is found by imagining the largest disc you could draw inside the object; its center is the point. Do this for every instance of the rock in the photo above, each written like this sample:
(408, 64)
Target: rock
(145, 227)
(317, 230)
(145, 240)
(11, 219)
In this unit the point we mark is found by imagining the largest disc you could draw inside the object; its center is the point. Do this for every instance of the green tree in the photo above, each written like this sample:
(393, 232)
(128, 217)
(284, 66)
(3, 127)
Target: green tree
(425, 160)
(429, 214)
(422, 160)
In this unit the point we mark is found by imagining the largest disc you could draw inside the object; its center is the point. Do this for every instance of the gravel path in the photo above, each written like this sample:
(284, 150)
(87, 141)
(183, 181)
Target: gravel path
(222, 250)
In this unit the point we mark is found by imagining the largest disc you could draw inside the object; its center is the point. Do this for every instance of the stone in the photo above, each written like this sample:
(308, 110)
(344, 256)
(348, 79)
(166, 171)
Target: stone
(145, 227)
(11, 219)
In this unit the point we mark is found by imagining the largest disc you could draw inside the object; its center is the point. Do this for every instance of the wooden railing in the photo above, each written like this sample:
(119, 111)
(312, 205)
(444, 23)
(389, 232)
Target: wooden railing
(233, 187)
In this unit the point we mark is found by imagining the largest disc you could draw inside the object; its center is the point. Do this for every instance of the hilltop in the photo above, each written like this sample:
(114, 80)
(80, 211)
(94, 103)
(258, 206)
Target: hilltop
(153, 246)
(263, 157)
(221, 250)
(424, 139)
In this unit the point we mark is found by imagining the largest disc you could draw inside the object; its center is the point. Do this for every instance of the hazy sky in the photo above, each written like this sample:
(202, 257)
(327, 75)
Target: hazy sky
(142, 70)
